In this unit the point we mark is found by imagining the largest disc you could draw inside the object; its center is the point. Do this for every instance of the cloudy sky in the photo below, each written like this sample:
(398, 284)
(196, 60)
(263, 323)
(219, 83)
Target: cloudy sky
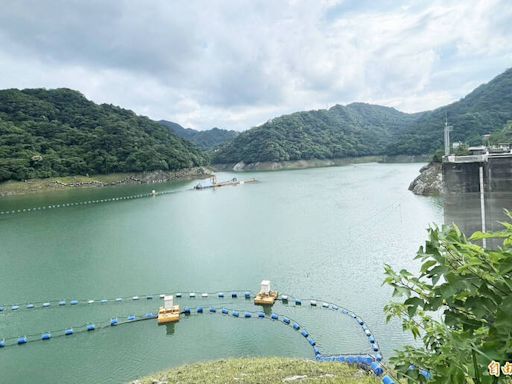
(235, 64)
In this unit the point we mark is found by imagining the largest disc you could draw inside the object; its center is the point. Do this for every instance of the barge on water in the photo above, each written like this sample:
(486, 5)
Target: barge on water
(213, 183)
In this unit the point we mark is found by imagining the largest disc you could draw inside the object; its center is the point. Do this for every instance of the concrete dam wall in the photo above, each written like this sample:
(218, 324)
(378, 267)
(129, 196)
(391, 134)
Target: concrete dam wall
(462, 188)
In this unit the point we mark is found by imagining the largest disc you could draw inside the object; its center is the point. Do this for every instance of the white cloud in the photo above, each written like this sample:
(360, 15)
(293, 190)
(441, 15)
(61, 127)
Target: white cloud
(238, 64)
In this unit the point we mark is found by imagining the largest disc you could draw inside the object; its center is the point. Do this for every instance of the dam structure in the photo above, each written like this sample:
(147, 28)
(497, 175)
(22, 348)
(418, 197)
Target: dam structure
(478, 188)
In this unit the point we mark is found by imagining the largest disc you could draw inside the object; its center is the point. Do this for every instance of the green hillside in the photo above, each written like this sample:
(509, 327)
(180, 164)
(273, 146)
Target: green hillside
(362, 129)
(206, 140)
(45, 133)
(487, 109)
(354, 130)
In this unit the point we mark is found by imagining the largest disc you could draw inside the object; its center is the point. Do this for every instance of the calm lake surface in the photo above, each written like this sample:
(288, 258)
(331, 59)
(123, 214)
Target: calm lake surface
(316, 233)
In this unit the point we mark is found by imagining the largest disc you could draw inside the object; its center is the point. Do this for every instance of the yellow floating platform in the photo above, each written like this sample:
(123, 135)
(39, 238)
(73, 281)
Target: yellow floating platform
(265, 298)
(171, 315)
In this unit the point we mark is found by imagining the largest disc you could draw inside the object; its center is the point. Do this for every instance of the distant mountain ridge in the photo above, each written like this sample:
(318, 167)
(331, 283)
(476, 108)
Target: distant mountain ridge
(58, 132)
(360, 129)
(206, 140)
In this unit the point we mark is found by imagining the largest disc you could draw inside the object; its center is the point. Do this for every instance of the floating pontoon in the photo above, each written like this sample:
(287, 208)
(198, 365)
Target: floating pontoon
(169, 313)
(265, 296)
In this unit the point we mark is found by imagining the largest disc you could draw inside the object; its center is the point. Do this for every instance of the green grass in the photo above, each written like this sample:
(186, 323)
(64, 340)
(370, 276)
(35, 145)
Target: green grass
(262, 370)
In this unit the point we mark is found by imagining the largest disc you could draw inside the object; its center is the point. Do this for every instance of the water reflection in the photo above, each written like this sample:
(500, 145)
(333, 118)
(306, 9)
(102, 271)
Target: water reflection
(464, 210)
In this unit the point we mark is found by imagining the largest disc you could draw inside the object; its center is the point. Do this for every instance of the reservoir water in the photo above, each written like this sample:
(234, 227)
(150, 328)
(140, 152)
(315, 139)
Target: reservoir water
(322, 233)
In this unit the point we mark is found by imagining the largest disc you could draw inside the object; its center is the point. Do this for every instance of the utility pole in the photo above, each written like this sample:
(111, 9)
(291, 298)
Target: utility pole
(447, 129)
(482, 202)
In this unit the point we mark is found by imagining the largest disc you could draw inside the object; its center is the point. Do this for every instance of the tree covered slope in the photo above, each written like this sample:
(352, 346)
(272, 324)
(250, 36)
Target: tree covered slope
(59, 132)
(485, 110)
(207, 139)
(354, 130)
(362, 129)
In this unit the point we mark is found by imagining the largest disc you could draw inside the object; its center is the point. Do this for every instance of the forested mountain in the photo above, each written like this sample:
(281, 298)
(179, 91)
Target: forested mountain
(208, 139)
(59, 132)
(487, 109)
(354, 130)
(362, 129)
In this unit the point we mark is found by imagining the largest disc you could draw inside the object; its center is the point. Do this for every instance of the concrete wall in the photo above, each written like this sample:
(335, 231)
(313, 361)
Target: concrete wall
(462, 193)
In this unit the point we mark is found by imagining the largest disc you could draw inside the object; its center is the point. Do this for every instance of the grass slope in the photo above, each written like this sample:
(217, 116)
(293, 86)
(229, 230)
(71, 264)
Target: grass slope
(262, 370)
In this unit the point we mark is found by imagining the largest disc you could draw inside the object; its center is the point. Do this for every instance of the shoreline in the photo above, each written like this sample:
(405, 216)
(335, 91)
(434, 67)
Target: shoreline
(317, 163)
(62, 183)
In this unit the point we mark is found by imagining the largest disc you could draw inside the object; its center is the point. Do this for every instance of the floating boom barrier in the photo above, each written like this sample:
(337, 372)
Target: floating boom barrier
(153, 193)
(370, 361)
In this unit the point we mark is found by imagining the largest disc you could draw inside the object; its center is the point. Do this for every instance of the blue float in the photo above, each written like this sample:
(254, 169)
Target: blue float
(62, 302)
(311, 342)
(220, 294)
(247, 315)
(247, 295)
(131, 317)
(46, 336)
(1, 309)
(91, 327)
(186, 311)
(114, 322)
(46, 305)
(213, 310)
(296, 326)
(286, 320)
(371, 339)
(68, 332)
(376, 368)
(224, 311)
(274, 316)
(150, 315)
(426, 374)
(104, 301)
(2, 343)
(30, 306)
(73, 302)
(22, 340)
(298, 302)
(304, 333)
(200, 310)
(236, 313)
(261, 315)
(15, 307)
(388, 380)
(234, 295)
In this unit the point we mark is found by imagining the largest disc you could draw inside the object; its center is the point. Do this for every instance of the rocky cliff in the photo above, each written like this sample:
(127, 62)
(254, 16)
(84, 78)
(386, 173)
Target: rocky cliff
(430, 180)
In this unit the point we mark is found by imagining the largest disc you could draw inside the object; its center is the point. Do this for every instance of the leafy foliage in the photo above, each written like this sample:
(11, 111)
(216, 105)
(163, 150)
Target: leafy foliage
(504, 135)
(460, 306)
(59, 132)
(361, 129)
(206, 140)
